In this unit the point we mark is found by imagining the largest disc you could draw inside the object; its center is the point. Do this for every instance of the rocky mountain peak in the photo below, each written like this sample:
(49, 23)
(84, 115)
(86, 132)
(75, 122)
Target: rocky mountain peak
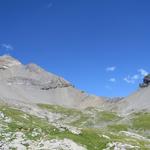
(7, 61)
(29, 76)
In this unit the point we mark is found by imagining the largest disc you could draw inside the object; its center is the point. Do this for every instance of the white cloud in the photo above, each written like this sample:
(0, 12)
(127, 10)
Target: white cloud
(112, 68)
(135, 77)
(143, 72)
(112, 80)
(6, 47)
(132, 79)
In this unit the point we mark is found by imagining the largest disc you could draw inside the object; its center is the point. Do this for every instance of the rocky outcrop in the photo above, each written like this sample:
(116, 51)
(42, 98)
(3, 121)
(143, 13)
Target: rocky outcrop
(52, 84)
(19, 142)
(146, 81)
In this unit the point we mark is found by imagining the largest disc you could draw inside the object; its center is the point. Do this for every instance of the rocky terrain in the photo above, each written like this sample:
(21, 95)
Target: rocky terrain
(42, 111)
(31, 84)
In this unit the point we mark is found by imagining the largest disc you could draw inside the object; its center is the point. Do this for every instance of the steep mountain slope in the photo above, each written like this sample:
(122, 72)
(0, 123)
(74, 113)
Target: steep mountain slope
(138, 101)
(31, 84)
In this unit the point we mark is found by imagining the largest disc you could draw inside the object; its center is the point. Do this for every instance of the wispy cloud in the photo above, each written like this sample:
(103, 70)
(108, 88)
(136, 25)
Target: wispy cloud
(6, 47)
(138, 76)
(131, 79)
(112, 79)
(143, 72)
(110, 69)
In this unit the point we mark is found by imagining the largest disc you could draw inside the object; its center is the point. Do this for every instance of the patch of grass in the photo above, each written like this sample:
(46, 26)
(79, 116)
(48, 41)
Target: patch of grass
(81, 122)
(26, 125)
(141, 121)
(106, 117)
(89, 137)
(60, 109)
(78, 117)
(88, 118)
(117, 127)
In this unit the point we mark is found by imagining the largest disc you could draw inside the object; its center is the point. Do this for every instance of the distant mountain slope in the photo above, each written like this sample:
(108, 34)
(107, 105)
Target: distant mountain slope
(31, 84)
(139, 100)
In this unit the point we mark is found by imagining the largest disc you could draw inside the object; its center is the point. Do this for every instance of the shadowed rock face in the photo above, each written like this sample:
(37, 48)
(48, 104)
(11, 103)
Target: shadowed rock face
(32, 84)
(146, 81)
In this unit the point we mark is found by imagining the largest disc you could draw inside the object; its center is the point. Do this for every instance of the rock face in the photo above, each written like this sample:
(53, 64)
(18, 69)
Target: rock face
(31, 84)
(146, 81)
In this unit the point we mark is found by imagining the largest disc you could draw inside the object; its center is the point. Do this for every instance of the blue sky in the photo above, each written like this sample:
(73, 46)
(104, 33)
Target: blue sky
(101, 46)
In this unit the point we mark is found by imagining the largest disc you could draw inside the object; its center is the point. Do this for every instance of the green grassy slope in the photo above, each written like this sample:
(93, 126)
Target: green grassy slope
(98, 128)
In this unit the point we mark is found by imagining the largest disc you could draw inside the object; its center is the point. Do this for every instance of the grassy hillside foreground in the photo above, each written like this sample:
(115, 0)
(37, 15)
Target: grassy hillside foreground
(98, 130)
